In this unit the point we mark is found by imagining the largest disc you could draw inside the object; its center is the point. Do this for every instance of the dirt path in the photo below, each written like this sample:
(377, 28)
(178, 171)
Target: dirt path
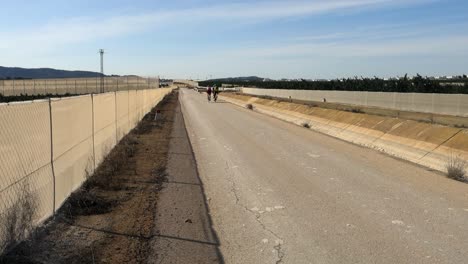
(111, 219)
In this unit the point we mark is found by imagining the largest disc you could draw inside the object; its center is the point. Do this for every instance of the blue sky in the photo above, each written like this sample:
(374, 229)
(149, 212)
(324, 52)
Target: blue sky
(276, 39)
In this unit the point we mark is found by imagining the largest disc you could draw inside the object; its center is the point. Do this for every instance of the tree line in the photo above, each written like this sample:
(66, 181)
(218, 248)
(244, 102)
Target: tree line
(417, 84)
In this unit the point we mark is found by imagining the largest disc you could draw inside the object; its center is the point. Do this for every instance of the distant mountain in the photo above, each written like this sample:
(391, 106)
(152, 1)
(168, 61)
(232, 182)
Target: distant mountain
(43, 73)
(239, 79)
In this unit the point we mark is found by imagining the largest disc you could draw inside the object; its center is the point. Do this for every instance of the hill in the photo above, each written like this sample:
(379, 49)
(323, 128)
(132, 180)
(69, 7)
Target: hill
(42, 73)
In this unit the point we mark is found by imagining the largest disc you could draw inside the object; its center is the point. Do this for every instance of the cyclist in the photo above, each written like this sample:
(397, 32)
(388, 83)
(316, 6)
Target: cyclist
(215, 92)
(208, 92)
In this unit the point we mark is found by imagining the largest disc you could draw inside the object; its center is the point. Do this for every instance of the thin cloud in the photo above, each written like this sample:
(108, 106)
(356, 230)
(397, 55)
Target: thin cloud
(384, 32)
(283, 9)
(79, 30)
(436, 45)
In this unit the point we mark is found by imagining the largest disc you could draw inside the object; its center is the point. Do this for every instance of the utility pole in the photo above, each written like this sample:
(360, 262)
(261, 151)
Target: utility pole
(101, 52)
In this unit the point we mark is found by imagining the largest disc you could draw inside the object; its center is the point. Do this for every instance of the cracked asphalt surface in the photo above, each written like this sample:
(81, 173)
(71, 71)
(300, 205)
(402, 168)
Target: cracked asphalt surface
(279, 193)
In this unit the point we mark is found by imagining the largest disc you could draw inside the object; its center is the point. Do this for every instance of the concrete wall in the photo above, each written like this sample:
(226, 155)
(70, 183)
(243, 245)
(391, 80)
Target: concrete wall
(75, 85)
(49, 146)
(447, 104)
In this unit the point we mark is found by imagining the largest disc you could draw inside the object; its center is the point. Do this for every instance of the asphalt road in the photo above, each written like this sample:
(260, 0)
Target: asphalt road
(279, 193)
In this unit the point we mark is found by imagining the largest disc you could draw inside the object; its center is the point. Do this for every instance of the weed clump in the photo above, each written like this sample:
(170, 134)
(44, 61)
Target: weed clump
(17, 221)
(117, 159)
(306, 125)
(456, 169)
(86, 203)
(357, 111)
(249, 106)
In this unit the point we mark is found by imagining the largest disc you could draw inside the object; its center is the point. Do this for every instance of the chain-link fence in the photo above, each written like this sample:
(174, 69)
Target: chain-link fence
(48, 147)
(76, 85)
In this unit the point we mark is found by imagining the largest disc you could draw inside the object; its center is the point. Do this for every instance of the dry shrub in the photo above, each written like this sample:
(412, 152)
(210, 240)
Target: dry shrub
(357, 111)
(249, 106)
(306, 125)
(85, 203)
(117, 159)
(16, 222)
(456, 168)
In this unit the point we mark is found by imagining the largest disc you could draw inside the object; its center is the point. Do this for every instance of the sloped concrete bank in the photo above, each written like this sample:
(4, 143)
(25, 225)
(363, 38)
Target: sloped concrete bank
(429, 145)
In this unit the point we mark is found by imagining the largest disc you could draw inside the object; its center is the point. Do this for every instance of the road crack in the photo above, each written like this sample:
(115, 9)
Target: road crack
(279, 240)
(233, 183)
(280, 253)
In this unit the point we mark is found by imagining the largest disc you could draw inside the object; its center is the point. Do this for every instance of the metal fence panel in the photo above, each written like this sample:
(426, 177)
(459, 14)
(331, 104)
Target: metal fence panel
(25, 155)
(72, 143)
(122, 112)
(104, 125)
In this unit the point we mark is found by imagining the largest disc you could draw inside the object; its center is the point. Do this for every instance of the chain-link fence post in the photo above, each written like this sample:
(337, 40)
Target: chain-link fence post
(92, 133)
(52, 154)
(116, 128)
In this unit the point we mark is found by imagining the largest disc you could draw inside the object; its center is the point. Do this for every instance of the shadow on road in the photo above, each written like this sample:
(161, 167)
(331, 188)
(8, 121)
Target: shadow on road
(183, 232)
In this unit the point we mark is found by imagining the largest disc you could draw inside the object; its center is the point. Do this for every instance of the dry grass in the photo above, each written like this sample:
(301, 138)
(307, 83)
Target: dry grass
(112, 164)
(357, 111)
(456, 168)
(16, 222)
